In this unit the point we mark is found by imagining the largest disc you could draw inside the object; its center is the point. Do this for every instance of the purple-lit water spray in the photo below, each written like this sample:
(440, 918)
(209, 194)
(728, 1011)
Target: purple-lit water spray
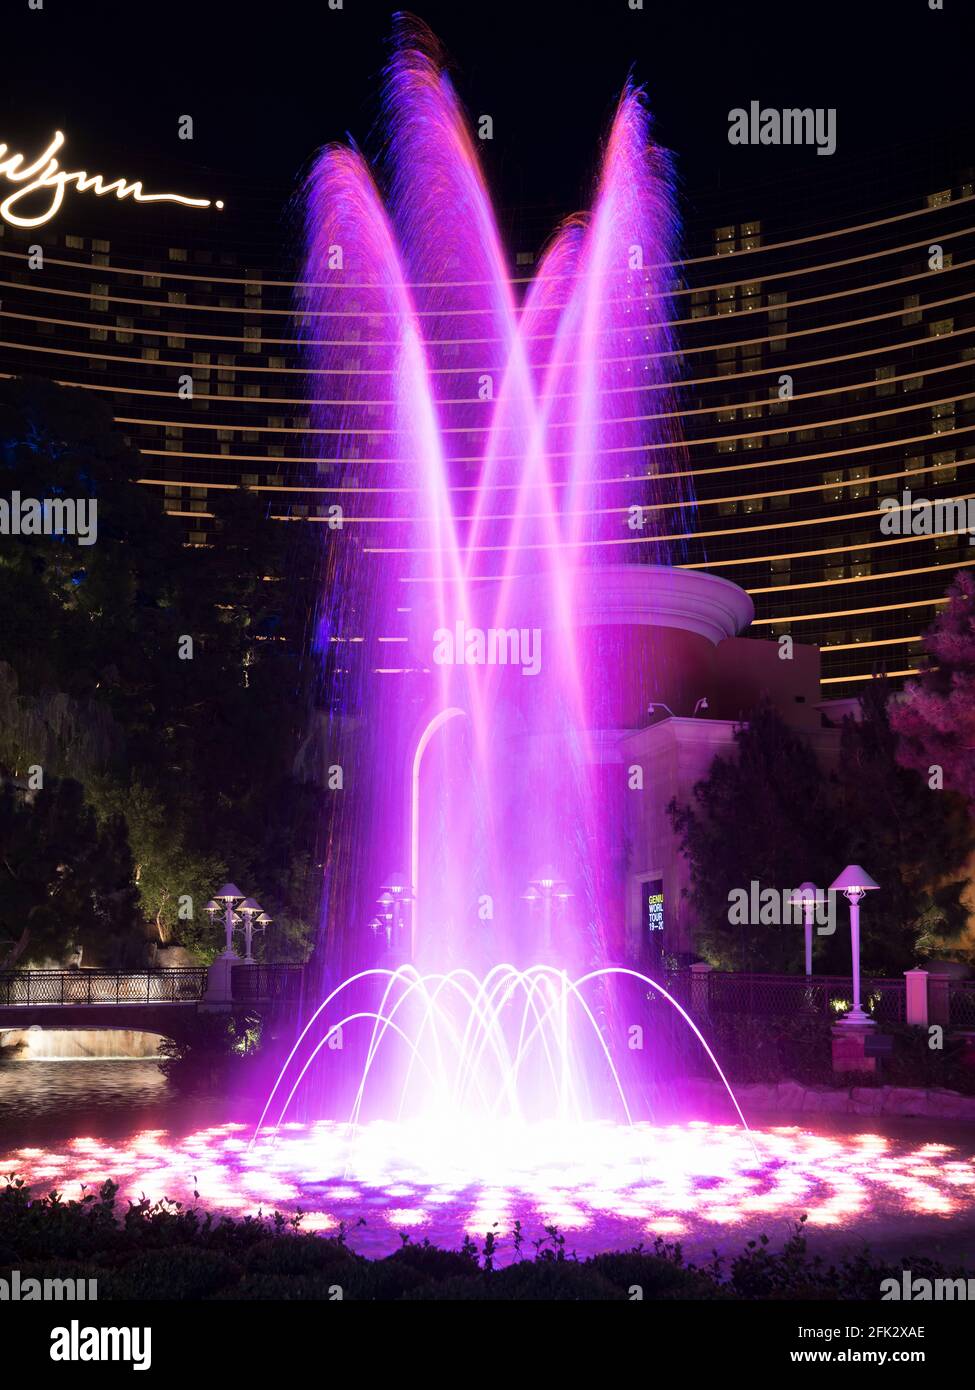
(488, 442)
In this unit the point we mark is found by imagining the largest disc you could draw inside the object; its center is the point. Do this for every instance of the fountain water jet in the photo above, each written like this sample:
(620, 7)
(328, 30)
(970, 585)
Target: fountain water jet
(490, 438)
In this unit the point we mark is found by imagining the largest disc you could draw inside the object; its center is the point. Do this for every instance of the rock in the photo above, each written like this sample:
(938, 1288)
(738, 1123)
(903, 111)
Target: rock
(866, 1100)
(905, 1100)
(791, 1095)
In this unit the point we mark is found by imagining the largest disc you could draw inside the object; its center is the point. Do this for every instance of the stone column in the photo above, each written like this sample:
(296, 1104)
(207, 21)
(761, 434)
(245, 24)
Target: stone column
(916, 1001)
(700, 971)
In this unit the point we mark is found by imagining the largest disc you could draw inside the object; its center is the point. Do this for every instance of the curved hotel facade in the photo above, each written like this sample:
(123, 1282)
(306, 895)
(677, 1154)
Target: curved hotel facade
(820, 373)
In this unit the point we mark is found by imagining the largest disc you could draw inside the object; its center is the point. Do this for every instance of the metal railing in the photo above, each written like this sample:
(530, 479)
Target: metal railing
(261, 984)
(176, 986)
(716, 992)
(961, 1003)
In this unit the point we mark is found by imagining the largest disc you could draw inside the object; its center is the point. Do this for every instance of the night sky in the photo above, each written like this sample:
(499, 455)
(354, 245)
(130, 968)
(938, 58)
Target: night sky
(268, 84)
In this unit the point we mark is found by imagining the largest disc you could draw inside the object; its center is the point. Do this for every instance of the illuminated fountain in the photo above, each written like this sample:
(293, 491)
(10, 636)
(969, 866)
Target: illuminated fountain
(513, 502)
(501, 601)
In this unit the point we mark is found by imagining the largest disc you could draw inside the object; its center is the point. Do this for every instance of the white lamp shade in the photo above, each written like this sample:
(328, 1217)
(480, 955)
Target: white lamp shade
(229, 892)
(853, 879)
(250, 905)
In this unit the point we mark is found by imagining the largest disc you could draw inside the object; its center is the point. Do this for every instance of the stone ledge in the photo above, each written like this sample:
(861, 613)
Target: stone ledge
(792, 1097)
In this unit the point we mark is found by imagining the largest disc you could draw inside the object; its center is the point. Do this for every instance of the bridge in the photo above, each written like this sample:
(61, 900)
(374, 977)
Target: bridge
(146, 1001)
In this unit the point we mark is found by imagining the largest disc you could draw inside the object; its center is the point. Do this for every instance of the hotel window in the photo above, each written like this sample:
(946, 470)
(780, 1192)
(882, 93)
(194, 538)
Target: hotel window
(943, 417)
(726, 361)
(861, 487)
(150, 354)
(277, 364)
(941, 328)
(699, 304)
(525, 258)
(833, 494)
(123, 333)
(945, 464)
(912, 383)
(99, 244)
(175, 341)
(98, 293)
(727, 508)
(751, 296)
(76, 243)
(781, 571)
(911, 301)
(725, 299)
(940, 199)
(914, 463)
(253, 335)
(779, 502)
(751, 235)
(250, 390)
(176, 253)
(727, 446)
(750, 505)
(151, 282)
(724, 240)
(777, 315)
(98, 335)
(861, 563)
(882, 375)
(175, 297)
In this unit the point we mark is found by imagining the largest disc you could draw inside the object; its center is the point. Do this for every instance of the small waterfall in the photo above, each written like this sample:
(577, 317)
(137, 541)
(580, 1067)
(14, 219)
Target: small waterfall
(78, 1044)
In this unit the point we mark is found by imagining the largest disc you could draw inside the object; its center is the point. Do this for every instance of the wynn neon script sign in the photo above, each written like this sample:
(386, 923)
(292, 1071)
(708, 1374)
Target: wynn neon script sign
(46, 174)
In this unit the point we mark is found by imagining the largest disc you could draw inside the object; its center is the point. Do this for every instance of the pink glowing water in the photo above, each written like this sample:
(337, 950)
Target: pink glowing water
(602, 1185)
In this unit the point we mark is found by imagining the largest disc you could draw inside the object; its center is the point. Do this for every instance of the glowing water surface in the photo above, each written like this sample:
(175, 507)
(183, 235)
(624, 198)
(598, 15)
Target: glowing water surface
(603, 1185)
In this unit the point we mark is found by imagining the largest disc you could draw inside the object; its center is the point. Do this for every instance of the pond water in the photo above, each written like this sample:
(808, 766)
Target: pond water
(900, 1186)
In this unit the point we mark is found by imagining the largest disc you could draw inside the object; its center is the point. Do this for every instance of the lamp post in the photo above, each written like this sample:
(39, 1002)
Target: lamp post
(394, 902)
(806, 895)
(249, 914)
(853, 882)
(547, 889)
(255, 919)
(225, 900)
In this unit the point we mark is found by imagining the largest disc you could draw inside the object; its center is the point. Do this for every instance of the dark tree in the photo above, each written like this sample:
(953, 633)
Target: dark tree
(66, 883)
(762, 815)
